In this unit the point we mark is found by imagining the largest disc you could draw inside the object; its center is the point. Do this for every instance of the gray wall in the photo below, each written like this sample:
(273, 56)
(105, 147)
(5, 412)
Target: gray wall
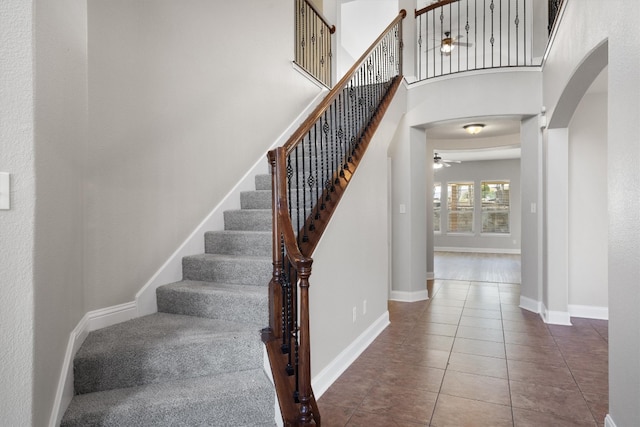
(477, 171)
(584, 27)
(17, 224)
(183, 100)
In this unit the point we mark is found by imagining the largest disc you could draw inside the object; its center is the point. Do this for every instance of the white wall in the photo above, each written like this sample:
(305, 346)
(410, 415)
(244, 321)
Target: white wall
(17, 224)
(183, 99)
(60, 149)
(588, 205)
(476, 172)
(584, 27)
(360, 23)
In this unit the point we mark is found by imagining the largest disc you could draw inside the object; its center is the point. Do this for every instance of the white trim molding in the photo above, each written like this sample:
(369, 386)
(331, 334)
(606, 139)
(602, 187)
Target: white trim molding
(337, 366)
(476, 250)
(608, 421)
(91, 321)
(530, 305)
(552, 317)
(407, 296)
(589, 311)
(430, 275)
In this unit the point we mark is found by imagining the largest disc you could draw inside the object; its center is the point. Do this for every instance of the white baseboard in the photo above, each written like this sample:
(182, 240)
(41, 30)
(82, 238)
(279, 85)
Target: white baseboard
(171, 270)
(476, 250)
(530, 305)
(589, 311)
(405, 296)
(555, 317)
(91, 321)
(608, 421)
(430, 275)
(323, 380)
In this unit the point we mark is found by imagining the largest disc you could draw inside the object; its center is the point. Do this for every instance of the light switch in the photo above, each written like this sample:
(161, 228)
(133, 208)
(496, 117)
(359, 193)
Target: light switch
(533, 207)
(5, 189)
(403, 208)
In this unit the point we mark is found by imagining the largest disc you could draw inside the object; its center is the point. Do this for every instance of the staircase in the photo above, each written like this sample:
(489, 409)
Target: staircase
(199, 360)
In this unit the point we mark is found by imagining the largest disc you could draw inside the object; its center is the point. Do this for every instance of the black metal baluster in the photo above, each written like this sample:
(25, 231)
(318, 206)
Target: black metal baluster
(466, 28)
(492, 39)
(305, 235)
(524, 32)
(452, 40)
(517, 22)
(326, 150)
(475, 41)
(419, 47)
(500, 33)
(484, 33)
(433, 16)
(509, 34)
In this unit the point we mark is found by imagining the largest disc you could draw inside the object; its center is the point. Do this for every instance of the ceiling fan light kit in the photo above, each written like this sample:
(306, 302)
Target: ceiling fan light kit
(473, 128)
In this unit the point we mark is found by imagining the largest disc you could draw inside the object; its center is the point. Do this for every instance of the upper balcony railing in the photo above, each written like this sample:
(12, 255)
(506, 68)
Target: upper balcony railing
(313, 41)
(463, 35)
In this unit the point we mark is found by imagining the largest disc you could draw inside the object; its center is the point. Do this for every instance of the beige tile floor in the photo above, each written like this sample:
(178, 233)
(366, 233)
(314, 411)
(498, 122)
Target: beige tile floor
(470, 356)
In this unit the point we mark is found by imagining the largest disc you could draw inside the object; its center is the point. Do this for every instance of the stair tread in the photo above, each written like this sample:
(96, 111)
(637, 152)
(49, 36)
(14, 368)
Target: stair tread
(158, 330)
(235, 398)
(214, 287)
(226, 257)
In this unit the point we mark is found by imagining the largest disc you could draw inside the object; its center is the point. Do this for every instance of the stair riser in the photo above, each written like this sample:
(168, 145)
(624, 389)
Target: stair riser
(233, 307)
(229, 243)
(260, 200)
(127, 369)
(242, 399)
(248, 219)
(244, 271)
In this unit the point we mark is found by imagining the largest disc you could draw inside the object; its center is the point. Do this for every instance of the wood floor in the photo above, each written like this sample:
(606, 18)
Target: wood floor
(477, 267)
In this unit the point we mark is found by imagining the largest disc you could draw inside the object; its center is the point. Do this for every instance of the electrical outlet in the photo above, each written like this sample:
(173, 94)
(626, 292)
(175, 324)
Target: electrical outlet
(364, 307)
(354, 314)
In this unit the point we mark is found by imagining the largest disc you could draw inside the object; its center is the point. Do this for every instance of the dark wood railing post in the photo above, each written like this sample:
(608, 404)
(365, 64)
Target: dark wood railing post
(304, 362)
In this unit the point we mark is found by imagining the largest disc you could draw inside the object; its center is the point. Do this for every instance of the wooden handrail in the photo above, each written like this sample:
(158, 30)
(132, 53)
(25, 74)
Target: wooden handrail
(287, 338)
(433, 6)
(333, 94)
(330, 26)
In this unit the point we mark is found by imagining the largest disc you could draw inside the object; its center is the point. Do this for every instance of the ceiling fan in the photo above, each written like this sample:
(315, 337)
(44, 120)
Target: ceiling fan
(448, 43)
(439, 162)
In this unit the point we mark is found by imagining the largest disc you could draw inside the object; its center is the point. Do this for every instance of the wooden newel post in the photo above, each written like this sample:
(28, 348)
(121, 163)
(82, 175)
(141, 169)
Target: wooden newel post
(275, 288)
(304, 366)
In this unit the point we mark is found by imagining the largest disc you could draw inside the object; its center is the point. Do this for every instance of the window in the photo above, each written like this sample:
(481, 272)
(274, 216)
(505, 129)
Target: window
(495, 206)
(460, 207)
(436, 206)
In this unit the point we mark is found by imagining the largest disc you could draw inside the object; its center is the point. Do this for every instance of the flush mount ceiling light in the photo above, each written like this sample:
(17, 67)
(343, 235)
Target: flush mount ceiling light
(474, 128)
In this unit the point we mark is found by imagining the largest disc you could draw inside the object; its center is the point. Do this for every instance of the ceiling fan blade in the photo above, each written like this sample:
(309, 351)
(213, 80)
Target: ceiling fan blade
(451, 161)
(446, 165)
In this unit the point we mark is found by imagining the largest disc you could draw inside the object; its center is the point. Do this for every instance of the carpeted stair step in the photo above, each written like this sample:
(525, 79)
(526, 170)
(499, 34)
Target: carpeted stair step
(248, 219)
(263, 182)
(164, 347)
(238, 242)
(259, 199)
(222, 301)
(262, 199)
(232, 399)
(240, 270)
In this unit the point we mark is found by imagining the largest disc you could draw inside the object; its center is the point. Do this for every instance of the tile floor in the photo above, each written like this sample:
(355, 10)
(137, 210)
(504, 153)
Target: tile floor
(470, 356)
